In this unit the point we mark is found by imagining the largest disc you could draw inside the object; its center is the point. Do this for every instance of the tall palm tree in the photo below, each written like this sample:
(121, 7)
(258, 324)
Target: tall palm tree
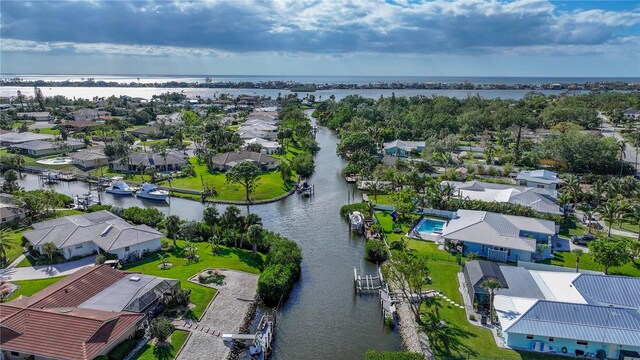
(492, 285)
(622, 145)
(4, 246)
(573, 187)
(633, 216)
(578, 253)
(588, 213)
(597, 190)
(210, 216)
(254, 237)
(19, 161)
(609, 212)
(375, 186)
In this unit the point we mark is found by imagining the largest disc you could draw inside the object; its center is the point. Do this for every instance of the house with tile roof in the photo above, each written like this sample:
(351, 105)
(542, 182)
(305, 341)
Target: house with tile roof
(82, 316)
(230, 159)
(500, 237)
(540, 200)
(97, 232)
(89, 158)
(173, 161)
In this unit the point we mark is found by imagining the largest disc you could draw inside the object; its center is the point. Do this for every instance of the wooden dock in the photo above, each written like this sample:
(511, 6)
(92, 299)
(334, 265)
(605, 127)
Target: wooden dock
(367, 283)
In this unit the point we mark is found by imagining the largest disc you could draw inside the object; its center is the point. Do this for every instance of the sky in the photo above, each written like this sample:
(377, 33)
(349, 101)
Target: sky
(322, 37)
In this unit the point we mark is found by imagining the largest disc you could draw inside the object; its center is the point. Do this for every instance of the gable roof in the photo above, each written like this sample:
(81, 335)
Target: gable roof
(232, 158)
(539, 176)
(493, 229)
(403, 144)
(580, 322)
(44, 145)
(609, 290)
(16, 138)
(89, 154)
(104, 229)
(155, 159)
(481, 270)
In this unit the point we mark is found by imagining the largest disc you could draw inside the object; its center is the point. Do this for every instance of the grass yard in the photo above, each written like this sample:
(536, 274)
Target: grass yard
(30, 287)
(159, 142)
(228, 258)
(573, 228)
(12, 246)
(32, 161)
(48, 131)
(151, 352)
(568, 259)
(627, 227)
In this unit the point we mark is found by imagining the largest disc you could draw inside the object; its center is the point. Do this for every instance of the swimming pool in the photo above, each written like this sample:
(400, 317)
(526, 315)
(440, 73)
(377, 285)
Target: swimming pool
(429, 226)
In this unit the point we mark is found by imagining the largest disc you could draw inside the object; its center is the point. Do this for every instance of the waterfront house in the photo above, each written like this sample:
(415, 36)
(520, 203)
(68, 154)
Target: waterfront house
(267, 147)
(9, 211)
(577, 314)
(36, 116)
(13, 138)
(403, 148)
(86, 234)
(541, 179)
(260, 129)
(41, 148)
(89, 158)
(85, 315)
(538, 199)
(500, 237)
(138, 161)
(230, 159)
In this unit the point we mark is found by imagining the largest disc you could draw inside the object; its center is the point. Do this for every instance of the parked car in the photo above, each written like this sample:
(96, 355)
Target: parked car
(583, 239)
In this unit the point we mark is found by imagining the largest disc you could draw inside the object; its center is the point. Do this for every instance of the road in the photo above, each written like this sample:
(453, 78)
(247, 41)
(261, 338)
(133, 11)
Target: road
(631, 155)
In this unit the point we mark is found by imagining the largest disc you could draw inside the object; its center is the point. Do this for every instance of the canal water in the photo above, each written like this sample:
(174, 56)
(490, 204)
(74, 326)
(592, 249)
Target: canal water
(323, 318)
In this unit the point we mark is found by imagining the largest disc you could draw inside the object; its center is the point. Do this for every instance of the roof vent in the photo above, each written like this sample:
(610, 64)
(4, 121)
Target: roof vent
(106, 230)
(66, 310)
(134, 278)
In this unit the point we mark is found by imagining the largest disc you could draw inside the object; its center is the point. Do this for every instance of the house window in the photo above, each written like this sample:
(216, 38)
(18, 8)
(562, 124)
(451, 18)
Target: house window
(540, 186)
(508, 252)
(482, 248)
(551, 339)
(582, 342)
(126, 248)
(15, 353)
(529, 337)
(79, 246)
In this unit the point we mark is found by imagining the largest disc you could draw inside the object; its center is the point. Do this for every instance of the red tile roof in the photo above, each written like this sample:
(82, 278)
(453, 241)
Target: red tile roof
(70, 334)
(50, 325)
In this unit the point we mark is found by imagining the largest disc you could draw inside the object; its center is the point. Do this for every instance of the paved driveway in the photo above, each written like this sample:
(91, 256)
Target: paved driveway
(45, 271)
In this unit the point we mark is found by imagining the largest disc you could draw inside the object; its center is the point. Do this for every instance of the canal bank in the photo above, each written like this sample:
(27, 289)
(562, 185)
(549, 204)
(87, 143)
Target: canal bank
(323, 317)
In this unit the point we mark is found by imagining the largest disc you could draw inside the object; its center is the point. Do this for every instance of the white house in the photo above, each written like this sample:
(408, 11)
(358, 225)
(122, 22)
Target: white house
(41, 148)
(9, 211)
(101, 231)
(89, 158)
(267, 147)
(541, 179)
(37, 116)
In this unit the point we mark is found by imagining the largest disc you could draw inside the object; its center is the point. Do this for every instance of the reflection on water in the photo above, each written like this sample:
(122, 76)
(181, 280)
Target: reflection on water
(323, 318)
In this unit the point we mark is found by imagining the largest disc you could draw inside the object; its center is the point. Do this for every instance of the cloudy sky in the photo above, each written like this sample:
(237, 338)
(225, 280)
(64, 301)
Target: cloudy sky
(322, 37)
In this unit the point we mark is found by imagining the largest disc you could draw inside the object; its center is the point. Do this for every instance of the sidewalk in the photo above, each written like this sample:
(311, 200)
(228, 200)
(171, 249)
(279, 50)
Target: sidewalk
(45, 271)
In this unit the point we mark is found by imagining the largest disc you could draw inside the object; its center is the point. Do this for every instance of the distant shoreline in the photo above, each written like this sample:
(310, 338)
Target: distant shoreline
(294, 86)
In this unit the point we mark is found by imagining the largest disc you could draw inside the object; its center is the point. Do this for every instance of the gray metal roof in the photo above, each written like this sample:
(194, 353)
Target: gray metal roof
(45, 145)
(129, 295)
(580, 322)
(520, 283)
(609, 290)
(539, 176)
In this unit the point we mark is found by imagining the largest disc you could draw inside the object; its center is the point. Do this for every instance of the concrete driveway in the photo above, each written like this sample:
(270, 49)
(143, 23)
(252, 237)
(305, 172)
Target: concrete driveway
(45, 271)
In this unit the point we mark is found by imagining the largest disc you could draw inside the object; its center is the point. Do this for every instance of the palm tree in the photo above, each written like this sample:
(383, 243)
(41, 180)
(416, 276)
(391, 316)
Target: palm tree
(254, 237)
(633, 216)
(285, 170)
(375, 186)
(50, 249)
(597, 189)
(609, 212)
(578, 253)
(172, 226)
(4, 246)
(573, 187)
(210, 216)
(588, 213)
(18, 160)
(492, 285)
(152, 172)
(622, 145)
(163, 260)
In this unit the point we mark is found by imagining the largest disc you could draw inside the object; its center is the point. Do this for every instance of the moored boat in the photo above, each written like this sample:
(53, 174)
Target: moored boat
(119, 187)
(152, 192)
(357, 221)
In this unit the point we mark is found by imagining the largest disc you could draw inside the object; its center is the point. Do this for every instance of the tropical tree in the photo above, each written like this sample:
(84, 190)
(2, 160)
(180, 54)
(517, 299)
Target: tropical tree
(410, 274)
(578, 253)
(161, 328)
(230, 222)
(163, 260)
(609, 212)
(19, 161)
(255, 237)
(208, 189)
(50, 249)
(609, 252)
(573, 188)
(10, 181)
(211, 217)
(286, 171)
(375, 187)
(172, 226)
(246, 174)
(4, 246)
(597, 190)
(492, 285)
(588, 213)
(622, 145)
(633, 216)
(151, 171)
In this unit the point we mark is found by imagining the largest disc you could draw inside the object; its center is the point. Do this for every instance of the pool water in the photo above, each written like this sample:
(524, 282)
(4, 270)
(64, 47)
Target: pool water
(430, 226)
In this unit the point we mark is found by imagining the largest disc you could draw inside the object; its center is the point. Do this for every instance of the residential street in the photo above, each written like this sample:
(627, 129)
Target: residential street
(631, 156)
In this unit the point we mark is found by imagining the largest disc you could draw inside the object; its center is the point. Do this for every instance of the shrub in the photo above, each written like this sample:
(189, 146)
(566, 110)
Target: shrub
(166, 246)
(96, 207)
(122, 350)
(375, 251)
(472, 317)
(100, 259)
(180, 299)
(283, 251)
(392, 355)
(161, 328)
(275, 283)
(149, 216)
(345, 210)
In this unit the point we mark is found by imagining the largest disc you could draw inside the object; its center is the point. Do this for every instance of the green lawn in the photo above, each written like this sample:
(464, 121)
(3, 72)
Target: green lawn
(12, 246)
(270, 183)
(568, 259)
(228, 258)
(151, 352)
(159, 142)
(627, 227)
(573, 228)
(32, 161)
(30, 287)
(48, 131)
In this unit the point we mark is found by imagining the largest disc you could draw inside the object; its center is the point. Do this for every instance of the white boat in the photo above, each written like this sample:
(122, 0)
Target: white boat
(357, 221)
(152, 192)
(119, 187)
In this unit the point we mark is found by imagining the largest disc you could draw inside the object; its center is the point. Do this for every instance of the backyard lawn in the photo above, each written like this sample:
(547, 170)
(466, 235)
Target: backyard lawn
(151, 352)
(30, 287)
(13, 246)
(229, 258)
(270, 183)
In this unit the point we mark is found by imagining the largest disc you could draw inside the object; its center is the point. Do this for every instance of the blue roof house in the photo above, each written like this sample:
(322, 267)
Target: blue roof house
(500, 237)
(403, 148)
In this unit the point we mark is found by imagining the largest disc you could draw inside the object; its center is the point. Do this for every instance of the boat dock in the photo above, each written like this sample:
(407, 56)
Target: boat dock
(371, 284)
(304, 188)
